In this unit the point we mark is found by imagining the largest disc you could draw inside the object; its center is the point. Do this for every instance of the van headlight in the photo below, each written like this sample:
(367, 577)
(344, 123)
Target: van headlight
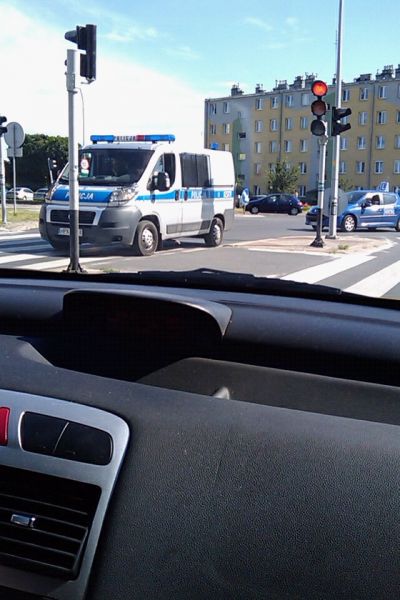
(122, 196)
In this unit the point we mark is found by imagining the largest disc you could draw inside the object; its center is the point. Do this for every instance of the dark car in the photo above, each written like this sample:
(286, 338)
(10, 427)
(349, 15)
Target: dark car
(275, 203)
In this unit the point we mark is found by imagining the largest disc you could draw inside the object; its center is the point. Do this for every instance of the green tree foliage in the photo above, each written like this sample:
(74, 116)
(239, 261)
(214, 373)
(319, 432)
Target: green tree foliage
(32, 169)
(345, 184)
(283, 178)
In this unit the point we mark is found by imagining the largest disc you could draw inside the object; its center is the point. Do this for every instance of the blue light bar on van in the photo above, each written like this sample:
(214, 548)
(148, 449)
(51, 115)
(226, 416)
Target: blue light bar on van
(153, 137)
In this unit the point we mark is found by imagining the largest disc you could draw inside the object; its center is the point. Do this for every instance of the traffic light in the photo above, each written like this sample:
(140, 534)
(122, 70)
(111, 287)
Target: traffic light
(2, 129)
(85, 38)
(337, 114)
(319, 107)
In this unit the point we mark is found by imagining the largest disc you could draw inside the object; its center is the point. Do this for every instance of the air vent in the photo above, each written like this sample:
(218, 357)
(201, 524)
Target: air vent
(44, 521)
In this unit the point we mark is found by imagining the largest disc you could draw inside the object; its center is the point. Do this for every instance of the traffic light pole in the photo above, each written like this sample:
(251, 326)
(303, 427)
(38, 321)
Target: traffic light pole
(323, 141)
(73, 158)
(336, 140)
(2, 184)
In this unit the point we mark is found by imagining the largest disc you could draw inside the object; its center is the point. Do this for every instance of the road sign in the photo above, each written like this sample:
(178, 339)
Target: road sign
(14, 152)
(14, 135)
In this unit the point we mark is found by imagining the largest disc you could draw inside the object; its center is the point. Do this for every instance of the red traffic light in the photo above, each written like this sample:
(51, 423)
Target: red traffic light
(319, 88)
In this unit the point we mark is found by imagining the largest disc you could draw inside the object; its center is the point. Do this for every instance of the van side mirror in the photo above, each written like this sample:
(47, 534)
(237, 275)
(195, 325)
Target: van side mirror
(159, 181)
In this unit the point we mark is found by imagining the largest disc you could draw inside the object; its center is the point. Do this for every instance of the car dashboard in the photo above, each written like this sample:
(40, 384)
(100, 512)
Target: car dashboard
(172, 442)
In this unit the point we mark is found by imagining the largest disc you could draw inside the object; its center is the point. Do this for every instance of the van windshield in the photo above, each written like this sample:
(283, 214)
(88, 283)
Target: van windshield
(106, 166)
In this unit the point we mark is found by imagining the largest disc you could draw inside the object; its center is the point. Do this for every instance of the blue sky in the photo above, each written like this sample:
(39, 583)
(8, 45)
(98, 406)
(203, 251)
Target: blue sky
(181, 51)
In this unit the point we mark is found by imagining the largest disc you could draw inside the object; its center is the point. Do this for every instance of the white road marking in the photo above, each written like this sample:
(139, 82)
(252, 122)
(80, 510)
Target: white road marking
(321, 272)
(10, 258)
(379, 283)
(64, 262)
(20, 236)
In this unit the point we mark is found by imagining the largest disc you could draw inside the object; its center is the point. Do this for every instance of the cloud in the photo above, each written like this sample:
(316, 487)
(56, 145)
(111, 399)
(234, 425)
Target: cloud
(183, 52)
(126, 98)
(292, 22)
(277, 45)
(132, 34)
(256, 22)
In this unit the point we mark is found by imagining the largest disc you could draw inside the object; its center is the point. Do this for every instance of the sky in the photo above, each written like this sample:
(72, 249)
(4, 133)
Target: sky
(158, 60)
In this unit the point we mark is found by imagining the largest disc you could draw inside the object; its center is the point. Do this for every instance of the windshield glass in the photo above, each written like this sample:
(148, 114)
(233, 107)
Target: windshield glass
(103, 166)
(184, 121)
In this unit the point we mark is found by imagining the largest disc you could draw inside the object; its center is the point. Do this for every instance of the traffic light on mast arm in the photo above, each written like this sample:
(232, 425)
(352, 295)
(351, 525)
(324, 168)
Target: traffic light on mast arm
(2, 129)
(85, 38)
(319, 107)
(337, 114)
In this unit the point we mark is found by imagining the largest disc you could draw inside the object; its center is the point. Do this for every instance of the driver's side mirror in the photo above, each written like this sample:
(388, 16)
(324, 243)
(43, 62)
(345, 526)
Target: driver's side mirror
(160, 181)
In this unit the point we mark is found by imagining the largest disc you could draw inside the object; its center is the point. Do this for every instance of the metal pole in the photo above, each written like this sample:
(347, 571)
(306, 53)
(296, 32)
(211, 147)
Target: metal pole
(323, 141)
(83, 117)
(336, 139)
(2, 184)
(15, 184)
(73, 157)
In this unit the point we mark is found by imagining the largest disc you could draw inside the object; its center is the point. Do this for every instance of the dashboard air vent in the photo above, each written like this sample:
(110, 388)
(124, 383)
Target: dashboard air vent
(44, 521)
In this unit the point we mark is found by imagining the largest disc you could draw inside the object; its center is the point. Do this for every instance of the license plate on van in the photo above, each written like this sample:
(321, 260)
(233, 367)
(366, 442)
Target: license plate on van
(66, 231)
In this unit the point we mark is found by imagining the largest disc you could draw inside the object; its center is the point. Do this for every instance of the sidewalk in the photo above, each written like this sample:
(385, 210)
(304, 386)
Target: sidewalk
(344, 244)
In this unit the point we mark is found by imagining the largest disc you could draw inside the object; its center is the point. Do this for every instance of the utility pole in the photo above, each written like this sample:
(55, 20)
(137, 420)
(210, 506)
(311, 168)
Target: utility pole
(336, 140)
(323, 141)
(3, 129)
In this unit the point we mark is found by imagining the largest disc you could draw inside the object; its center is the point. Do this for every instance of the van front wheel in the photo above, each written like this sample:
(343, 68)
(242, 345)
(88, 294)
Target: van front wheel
(146, 239)
(215, 236)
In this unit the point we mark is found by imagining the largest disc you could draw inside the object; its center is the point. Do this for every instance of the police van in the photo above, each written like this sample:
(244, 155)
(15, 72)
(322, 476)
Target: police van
(140, 190)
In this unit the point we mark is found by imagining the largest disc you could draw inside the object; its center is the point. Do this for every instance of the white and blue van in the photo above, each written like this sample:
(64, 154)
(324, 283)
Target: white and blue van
(140, 190)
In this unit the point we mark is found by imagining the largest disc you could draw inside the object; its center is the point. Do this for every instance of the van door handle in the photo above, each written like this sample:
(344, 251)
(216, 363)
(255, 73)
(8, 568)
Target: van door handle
(177, 194)
(186, 195)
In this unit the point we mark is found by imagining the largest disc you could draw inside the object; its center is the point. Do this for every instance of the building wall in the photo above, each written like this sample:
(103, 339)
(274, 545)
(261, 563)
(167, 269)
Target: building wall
(271, 122)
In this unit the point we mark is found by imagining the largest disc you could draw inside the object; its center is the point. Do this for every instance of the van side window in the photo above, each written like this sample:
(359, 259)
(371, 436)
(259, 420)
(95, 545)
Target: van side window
(195, 170)
(166, 164)
(375, 199)
(389, 199)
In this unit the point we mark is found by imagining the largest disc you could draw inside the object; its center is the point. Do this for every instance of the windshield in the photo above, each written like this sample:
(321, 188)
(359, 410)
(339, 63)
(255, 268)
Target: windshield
(184, 121)
(110, 167)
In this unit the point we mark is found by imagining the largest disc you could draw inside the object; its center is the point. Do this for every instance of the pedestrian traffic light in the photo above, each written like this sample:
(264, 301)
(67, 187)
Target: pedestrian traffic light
(319, 107)
(337, 114)
(85, 38)
(2, 129)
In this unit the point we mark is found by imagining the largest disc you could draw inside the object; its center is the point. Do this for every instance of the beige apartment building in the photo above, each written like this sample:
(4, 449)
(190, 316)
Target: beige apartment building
(264, 127)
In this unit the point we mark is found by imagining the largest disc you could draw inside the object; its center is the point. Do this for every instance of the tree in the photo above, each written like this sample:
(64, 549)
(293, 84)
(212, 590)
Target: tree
(345, 184)
(32, 169)
(283, 178)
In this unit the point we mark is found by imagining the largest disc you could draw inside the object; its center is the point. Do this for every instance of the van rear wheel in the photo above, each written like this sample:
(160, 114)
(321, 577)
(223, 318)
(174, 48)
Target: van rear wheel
(215, 236)
(146, 239)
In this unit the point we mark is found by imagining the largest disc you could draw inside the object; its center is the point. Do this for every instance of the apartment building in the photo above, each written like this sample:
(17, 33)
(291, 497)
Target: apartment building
(264, 127)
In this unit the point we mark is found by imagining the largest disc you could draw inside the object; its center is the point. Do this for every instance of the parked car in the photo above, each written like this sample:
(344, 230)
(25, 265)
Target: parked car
(23, 193)
(275, 203)
(363, 209)
(40, 194)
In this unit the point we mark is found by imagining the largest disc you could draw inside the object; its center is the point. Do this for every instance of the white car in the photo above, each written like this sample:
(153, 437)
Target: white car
(23, 193)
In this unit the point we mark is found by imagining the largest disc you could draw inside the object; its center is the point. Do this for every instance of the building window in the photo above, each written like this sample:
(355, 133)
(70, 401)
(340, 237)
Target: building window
(273, 146)
(225, 108)
(241, 156)
(382, 91)
(364, 93)
(396, 167)
(381, 117)
(258, 147)
(345, 95)
(303, 122)
(398, 116)
(289, 100)
(257, 168)
(241, 135)
(342, 167)
(287, 145)
(288, 123)
(226, 128)
(379, 166)
(258, 126)
(239, 114)
(213, 129)
(360, 167)
(303, 168)
(302, 190)
(361, 143)
(303, 145)
(213, 108)
(259, 103)
(274, 102)
(225, 147)
(380, 142)
(288, 166)
(257, 190)
(305, 99)
(271, 167)
(273, 125)
(362, 118)
(397, 142)
(344, 143)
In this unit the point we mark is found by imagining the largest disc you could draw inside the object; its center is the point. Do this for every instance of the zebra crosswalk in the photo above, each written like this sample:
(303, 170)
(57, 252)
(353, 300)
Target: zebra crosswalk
(373, 274)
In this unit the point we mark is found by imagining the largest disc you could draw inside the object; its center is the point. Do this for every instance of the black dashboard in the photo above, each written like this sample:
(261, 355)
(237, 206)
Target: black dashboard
(204, 443)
